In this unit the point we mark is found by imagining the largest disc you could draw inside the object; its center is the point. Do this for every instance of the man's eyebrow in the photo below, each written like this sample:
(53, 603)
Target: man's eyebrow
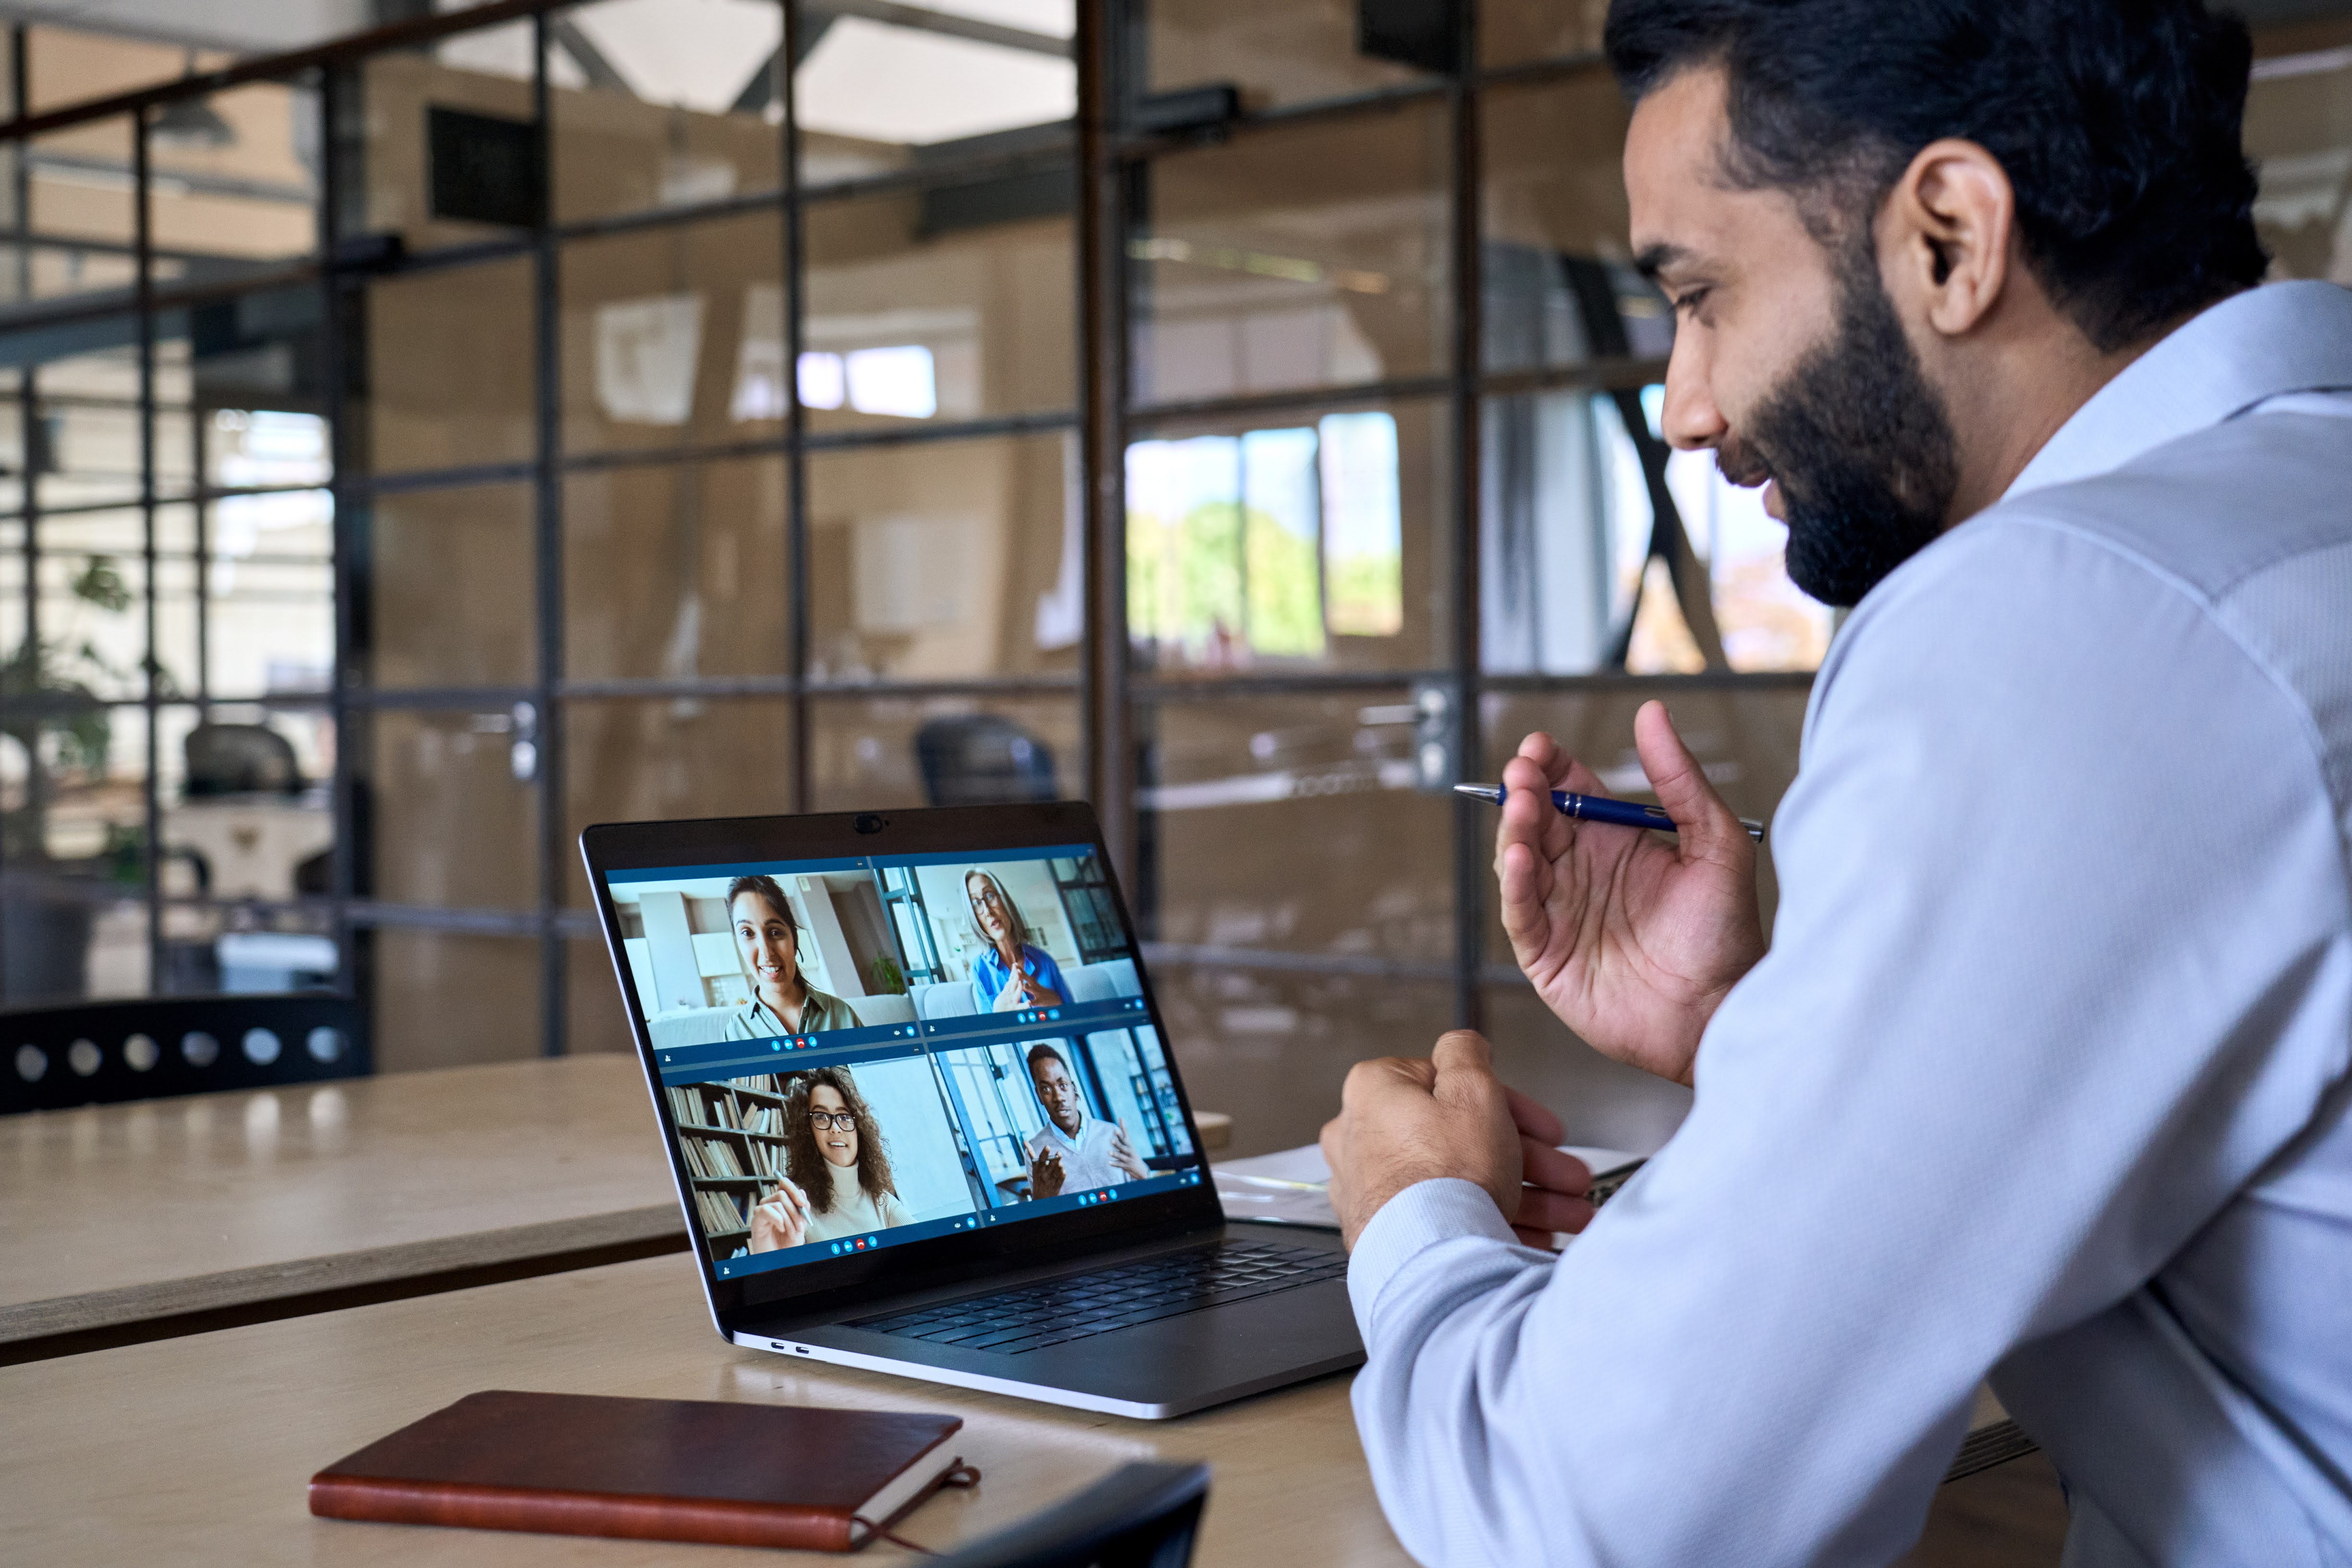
(1657, 258)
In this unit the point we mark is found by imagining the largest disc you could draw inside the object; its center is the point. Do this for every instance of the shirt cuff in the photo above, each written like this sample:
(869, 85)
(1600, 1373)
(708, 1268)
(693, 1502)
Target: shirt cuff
(1445, 1208)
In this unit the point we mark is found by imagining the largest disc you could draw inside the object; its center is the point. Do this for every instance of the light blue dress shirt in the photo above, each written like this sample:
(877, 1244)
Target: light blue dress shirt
(2045, 1078)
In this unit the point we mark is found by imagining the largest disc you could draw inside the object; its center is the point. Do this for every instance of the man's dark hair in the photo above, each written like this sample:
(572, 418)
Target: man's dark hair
(1037, 1053)
(2117, 122)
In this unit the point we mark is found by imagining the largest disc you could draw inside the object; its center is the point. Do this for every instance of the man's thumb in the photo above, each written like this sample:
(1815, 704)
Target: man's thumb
(1463, 1050)
(1681, 784)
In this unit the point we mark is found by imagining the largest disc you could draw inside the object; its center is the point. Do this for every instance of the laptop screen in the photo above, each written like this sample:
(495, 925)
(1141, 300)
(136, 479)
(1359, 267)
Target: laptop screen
(867, 1052)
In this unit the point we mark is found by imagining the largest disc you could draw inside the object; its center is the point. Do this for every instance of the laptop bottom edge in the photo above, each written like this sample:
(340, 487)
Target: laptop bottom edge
(1051, 1393)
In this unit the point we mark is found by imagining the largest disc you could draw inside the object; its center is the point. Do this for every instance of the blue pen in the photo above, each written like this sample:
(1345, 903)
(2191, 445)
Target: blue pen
(1600, 808)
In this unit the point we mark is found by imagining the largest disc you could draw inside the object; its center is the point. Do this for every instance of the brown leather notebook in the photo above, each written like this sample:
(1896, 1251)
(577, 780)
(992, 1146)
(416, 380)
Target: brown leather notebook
(648, 1469)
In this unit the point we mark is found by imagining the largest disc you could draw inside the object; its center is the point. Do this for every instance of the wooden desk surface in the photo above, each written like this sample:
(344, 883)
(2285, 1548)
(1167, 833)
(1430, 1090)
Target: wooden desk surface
(115, 1214)
(196, 1450)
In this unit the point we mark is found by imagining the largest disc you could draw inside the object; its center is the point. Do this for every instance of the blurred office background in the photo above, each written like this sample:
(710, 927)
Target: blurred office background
(425, 430)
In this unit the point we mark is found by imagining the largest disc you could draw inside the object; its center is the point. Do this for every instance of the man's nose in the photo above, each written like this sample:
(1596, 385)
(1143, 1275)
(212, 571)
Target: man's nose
(1691, 420)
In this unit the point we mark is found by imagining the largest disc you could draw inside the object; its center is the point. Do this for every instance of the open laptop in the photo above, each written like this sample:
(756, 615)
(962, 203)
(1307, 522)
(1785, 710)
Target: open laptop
(899, 1149)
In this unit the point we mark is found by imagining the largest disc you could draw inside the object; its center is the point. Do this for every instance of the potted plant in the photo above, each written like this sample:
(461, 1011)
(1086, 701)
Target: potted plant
(64, 734)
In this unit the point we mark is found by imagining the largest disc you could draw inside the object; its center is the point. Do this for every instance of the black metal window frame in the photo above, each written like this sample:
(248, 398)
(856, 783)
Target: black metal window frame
(1104, 153)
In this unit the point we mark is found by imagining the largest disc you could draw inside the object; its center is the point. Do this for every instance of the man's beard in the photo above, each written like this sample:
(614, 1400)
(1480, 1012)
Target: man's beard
(1859, 443)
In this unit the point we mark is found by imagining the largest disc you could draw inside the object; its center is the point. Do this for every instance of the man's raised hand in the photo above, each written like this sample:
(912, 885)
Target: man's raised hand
(1631, 941)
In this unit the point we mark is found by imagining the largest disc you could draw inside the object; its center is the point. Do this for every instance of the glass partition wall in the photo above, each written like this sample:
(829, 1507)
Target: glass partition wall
(1240, 415)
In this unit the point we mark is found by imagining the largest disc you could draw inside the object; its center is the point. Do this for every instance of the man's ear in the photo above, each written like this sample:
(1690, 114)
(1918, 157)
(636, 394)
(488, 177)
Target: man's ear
(1946, 234)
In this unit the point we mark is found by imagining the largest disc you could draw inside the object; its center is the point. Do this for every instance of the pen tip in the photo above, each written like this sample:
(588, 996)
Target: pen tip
(1475, 792)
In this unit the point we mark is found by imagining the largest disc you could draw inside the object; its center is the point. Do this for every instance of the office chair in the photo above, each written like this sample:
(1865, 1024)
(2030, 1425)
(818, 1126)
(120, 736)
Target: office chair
(1139, 1516)
(239, 759)
(980, 758)
(101, 1052)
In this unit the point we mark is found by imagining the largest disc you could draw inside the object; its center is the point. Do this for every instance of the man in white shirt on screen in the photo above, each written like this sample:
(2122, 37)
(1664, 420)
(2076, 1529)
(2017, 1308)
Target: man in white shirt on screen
(2046, 1076)
(1074, 1151)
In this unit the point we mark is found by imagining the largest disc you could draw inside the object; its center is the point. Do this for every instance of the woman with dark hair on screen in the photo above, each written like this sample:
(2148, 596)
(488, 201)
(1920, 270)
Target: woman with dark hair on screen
(838, 1167)
(768, 941)
(1009, 973)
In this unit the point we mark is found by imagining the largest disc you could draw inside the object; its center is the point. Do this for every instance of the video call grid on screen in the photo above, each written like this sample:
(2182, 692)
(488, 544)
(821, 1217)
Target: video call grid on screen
(852, 1062)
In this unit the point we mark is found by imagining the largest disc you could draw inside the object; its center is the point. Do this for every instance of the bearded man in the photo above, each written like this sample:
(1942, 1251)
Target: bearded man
(2044, 1075)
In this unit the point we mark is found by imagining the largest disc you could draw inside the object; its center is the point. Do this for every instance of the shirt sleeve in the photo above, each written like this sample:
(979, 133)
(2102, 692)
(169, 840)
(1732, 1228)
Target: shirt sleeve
(1045, 972)
(2037, 1005)
(988, 978)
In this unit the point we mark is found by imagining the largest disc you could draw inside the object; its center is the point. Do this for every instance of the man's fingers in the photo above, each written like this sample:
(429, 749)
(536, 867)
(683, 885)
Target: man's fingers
(1543, 1211)
(1385, 1075)
(1463, 1050)
(1541, 1165)
(1533, 1120)
(1706, 826)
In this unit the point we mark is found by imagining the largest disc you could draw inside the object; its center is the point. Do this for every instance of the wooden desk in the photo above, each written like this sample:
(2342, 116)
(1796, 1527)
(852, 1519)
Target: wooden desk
(196, 1450)
(124, 1222)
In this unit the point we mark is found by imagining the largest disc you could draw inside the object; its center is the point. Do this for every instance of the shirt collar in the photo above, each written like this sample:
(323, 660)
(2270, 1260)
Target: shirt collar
(1053, 1130)
(2252, 347)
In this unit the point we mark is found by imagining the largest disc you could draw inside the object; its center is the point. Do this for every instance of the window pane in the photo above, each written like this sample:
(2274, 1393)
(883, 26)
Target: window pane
(1512, 31)
(485, 992)
(953, 302)
(93, 623)
(1270, 1049)
(1567, 558)
(875, 95)
(2299, 134)
(452, 577)
(226, 842)
(659, 103)
(1296, 52)
(878, 754)
(454, 828)
(87, 431)
(1305, 256)
(270, 617)
(1560, 286)
(1295, 540)
(1766, 621)
(65, 67)
(631, 760)
(419, 416)
(66, 938)
(945, 560)
(1293, 823)
(80, 194)
(595, 1016)
(672, 335)
(235, 180)
(1566, 534)
(679, 571)
(468, 98)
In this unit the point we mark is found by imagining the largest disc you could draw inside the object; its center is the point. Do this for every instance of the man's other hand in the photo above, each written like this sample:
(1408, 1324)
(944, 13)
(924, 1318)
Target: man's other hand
(1632, 941)
(1123, 1154)
(1402, 1122)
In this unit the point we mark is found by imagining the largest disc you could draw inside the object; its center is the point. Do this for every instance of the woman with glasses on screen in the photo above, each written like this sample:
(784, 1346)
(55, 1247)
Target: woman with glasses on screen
(1009, 973)
(838, 1170)
(768, 941)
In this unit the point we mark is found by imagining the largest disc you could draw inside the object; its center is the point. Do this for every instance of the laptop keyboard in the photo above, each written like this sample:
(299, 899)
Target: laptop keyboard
(1055, 1311)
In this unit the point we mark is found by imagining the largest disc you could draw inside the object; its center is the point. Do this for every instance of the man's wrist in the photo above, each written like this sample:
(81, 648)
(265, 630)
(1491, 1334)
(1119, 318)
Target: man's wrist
(1438, 1209)
(1392, 1184)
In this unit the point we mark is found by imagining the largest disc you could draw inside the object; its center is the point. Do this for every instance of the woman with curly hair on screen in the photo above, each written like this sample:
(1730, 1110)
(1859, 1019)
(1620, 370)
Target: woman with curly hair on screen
(838, 1168)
